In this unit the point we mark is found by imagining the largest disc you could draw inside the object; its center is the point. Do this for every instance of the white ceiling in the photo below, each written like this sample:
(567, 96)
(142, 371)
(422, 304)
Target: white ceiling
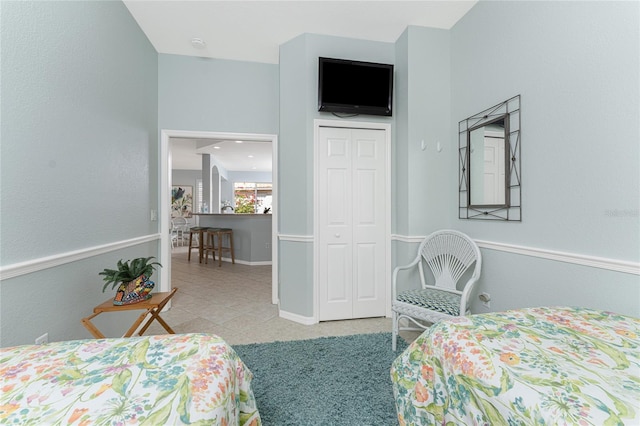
(186, 154)
(254, 30)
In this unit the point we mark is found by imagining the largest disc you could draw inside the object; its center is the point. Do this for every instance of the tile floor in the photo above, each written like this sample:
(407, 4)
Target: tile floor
(234, 302)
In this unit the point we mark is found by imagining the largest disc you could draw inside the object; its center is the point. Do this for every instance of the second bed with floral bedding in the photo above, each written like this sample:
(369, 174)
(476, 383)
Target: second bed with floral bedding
(530, 366)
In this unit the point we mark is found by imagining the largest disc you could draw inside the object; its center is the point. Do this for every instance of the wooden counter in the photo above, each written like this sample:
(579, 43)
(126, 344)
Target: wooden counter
(251, 234)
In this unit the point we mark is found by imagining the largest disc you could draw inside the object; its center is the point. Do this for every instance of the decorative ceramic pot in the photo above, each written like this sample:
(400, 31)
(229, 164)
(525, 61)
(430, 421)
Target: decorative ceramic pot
(134, 291)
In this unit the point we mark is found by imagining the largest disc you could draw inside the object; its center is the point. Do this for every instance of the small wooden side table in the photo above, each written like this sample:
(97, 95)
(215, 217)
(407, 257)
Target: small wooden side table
(151, 306)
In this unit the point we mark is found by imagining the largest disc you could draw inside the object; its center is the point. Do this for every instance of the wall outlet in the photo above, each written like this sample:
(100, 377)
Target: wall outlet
(42, 339)
(154, 215)
(268, 245)
(485, 298)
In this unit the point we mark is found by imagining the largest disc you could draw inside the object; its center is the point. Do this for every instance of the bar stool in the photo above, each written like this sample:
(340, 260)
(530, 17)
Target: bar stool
(221, 234)
(198, 231)
(228, 233)
(210, 244)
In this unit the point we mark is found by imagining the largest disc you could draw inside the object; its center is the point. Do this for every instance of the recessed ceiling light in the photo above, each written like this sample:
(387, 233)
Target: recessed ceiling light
(238, 141)
(216, 147)
(198, 43)
(250, 156)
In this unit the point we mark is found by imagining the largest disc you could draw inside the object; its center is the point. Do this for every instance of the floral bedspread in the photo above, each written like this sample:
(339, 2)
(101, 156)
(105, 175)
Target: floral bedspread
(154, 380)
(542, 366)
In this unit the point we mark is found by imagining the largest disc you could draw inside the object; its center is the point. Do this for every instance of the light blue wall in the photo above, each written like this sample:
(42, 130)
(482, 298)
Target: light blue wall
(298, 109)
(420, 198)
(294, 157)
(217, 95)
(84, 94)
(429, 121)
(78, 158)
(292, 144)
(576, 66)
(400, 150)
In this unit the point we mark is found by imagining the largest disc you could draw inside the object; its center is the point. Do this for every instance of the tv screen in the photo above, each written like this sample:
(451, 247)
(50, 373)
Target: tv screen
(355, 87)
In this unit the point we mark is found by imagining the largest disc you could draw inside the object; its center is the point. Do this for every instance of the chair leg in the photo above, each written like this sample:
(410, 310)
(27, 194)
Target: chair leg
(220, 237)
(221, 247)
(190, 242)
(394, 330)
(210, 247)
(207, 239)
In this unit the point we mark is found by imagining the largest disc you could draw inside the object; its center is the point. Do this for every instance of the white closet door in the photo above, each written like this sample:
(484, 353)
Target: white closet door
(368, 223)
(351, 223)
(494, 176)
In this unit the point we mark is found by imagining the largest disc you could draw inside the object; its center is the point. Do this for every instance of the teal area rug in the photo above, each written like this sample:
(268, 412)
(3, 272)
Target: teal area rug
(328, 381)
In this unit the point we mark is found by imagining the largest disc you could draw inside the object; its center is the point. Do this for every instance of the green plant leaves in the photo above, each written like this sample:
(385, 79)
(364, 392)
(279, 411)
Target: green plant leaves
(128, 271)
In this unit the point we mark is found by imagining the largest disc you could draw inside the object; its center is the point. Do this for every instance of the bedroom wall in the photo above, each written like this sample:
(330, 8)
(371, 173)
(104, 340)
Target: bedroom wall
(298, 109)
(217, 95)
(295, 219)
(421, 152)
(78, 173)
(576, 66)
(424, 206)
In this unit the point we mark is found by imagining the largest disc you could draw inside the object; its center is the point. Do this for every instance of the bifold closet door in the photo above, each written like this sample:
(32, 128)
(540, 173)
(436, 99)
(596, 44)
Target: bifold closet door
(351, 255)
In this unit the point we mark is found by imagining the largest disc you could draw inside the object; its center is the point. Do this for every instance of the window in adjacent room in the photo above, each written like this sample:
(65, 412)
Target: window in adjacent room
(252, 197)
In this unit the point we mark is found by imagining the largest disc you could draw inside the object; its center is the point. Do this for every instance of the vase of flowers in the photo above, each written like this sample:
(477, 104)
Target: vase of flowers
(132, 279)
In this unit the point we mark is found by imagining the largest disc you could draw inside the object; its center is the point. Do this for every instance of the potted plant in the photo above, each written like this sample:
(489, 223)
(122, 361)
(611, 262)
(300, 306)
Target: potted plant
(132, 278)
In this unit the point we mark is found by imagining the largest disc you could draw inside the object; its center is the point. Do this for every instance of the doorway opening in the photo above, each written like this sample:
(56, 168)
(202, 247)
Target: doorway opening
(165, 197)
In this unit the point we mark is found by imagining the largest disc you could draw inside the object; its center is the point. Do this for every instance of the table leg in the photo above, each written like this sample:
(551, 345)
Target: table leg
(155, 315)
(135, 325)
(201, 243)
(92, 328)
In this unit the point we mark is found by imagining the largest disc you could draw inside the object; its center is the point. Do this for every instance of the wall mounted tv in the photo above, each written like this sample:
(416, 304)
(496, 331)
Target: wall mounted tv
(355, 87)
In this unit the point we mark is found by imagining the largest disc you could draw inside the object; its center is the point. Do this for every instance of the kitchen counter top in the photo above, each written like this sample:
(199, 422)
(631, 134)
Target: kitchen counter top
(232, 214)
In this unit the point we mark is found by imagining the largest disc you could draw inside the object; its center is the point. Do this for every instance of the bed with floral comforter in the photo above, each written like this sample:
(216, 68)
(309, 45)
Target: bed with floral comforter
(152, 380)
(542, 366)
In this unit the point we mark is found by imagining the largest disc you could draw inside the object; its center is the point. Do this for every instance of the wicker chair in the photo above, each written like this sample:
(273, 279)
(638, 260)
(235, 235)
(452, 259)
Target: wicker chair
(449, 254)
(179, 226)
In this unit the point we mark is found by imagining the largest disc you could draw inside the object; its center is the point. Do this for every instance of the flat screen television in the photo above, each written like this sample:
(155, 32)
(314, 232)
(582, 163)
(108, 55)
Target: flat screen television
(355, 87)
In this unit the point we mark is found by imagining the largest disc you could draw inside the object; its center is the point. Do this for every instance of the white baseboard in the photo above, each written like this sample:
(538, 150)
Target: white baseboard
(297, 318)
(296, 238)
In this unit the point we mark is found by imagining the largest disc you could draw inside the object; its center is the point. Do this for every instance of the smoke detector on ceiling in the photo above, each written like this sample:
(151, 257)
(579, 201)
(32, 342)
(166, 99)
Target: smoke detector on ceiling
(198, 43)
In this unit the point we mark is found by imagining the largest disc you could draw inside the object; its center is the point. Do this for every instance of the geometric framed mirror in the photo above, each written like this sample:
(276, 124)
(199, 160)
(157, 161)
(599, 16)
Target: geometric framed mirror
(489, 158)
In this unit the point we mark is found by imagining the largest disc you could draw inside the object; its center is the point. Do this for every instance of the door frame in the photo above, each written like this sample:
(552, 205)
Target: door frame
(165, 197)
(317, 124)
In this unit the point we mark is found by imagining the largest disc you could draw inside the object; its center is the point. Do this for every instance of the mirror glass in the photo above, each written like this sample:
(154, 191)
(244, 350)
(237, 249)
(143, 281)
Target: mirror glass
(488, 168)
